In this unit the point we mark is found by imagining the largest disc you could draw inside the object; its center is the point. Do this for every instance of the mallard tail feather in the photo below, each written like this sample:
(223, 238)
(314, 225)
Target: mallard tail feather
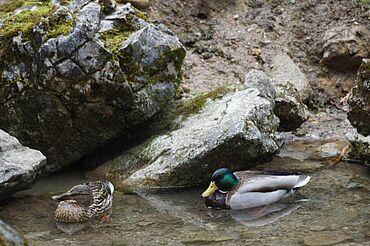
(303, 180)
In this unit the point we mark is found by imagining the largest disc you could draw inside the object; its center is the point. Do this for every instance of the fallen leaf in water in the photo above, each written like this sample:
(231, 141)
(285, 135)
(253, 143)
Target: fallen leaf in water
(336, 159)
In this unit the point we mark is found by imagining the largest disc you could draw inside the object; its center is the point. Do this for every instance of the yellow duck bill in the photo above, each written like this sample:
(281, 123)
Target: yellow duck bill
(211, 189)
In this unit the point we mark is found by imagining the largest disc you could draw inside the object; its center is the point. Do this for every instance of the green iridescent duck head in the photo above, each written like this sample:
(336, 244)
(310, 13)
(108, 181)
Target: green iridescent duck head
(223, 180)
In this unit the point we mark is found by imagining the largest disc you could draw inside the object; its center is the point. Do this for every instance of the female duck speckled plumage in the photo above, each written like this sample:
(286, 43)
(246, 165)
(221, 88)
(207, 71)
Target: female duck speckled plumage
(84, 202)
(248, 189)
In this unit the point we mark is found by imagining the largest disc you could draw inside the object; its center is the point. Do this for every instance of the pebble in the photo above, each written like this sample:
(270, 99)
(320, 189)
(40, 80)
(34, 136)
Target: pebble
(317, 228)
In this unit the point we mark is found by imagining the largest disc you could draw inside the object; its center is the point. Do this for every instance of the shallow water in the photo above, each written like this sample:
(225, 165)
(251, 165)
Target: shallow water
(337, 212)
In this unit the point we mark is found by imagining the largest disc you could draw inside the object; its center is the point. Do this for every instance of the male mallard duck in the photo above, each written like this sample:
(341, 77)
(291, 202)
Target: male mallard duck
(84, 202)
(248, 189)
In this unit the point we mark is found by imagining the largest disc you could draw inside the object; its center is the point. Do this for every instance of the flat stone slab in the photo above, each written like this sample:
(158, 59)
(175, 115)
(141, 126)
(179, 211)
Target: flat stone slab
(20, 166)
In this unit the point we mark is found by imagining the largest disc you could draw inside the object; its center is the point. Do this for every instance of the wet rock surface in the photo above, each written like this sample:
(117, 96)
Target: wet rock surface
(289, 107)
(359, 100)
(75, 76)
(344, 47)
(8, 236)
(19, 166)
(328, 150)
(313, 135)
(238, 130)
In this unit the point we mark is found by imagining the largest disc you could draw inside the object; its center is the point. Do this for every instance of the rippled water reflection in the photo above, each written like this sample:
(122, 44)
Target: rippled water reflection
(337, 212)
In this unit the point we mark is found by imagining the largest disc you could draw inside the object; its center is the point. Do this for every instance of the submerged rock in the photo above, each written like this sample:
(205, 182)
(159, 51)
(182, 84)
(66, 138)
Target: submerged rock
(77, 75)
(285, 70)
(8, 236)
(325, 238)
(328, 150)
(344, 47)
(289, 107)
(19, 166)
(359, 100)
(237, 131)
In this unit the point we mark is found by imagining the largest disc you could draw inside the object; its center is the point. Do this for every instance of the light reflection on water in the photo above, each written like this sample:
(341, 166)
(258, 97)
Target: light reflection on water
(338, 211)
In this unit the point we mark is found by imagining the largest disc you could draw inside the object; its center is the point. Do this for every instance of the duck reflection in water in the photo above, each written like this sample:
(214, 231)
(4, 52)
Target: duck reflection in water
(256, 216)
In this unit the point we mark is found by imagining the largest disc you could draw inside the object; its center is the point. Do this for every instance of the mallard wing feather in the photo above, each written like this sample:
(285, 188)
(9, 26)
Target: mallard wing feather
(257, 188)
(102, 197)
(262, 181)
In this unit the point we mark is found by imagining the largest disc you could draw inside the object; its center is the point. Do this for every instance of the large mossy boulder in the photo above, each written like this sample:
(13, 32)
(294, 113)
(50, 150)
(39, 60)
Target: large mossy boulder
(359, 100)
(19, 166)
(237, 130)
(76, 74)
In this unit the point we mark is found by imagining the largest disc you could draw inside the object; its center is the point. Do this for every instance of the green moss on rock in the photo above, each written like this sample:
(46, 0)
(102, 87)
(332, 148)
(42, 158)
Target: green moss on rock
(141, 15)
(58, 25)
(25, 20)
(65, 2)
(359, 151)
(194, 105)
(114, 37)
(9, 6)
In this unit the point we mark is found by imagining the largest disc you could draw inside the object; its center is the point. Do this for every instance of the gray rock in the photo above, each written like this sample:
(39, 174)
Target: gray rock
(92, 56)
(68, 90)
(20, 166)
(237, 131)
(259, 80)
(359, 100)
(359, 148)
(285, 70)
(140, 4)
(141, 56)
(289, 107)
(344, 47)
(8, 236)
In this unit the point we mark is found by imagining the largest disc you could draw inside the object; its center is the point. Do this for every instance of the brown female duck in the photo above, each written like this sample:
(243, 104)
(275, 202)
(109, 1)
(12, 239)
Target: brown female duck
(84, 202)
